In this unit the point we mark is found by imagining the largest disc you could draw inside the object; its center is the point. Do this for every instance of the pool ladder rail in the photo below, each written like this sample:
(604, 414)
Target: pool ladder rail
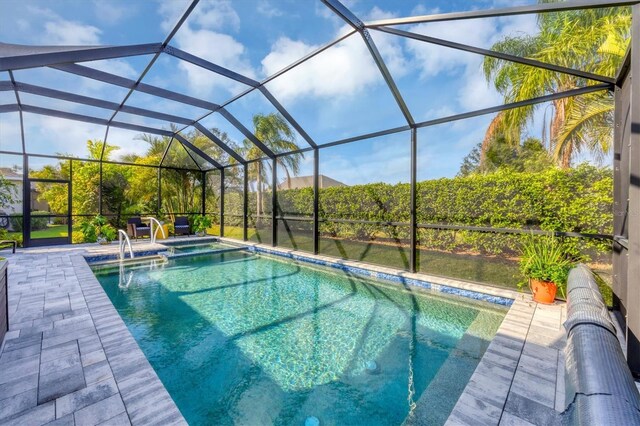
(124, 242)
(158, 227)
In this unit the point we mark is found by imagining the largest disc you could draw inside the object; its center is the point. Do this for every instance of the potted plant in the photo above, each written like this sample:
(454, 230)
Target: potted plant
(545, 263)
(200, 225)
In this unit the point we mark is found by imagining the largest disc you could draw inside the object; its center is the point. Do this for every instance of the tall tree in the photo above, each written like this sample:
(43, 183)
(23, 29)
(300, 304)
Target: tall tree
(8, 192)
(274, 131)
(592, 40)
(529, 156)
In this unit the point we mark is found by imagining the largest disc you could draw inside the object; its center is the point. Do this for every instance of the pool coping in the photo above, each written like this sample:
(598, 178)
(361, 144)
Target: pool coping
(502, 390)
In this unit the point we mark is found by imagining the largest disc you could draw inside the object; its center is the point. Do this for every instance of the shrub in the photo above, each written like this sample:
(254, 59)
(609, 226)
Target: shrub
(200, 223)
(89, 234)
(39, 221)
(573, 200)
(97, 228)
(16, 222)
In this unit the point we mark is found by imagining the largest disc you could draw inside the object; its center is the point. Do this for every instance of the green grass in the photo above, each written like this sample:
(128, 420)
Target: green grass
(52, 231)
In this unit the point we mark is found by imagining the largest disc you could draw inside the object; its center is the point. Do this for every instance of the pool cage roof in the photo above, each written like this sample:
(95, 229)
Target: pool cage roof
(68, 59)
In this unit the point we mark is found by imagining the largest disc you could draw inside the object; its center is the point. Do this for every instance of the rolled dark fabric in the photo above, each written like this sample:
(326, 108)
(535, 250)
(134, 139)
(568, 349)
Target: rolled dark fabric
(599, 388)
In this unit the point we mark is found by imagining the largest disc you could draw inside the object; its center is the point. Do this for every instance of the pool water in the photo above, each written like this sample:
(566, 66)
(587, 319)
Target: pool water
(195, 248)
(247, 339)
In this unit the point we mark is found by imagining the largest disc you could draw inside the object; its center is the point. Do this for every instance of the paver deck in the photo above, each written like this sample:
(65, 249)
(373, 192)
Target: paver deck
(69, 358)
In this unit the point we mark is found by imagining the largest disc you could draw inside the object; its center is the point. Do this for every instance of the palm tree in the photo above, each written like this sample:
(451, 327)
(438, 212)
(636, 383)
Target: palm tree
(592, 40)
(274, 131)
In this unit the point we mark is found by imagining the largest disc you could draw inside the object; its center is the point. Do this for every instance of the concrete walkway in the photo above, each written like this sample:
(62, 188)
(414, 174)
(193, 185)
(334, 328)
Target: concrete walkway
(69, 358)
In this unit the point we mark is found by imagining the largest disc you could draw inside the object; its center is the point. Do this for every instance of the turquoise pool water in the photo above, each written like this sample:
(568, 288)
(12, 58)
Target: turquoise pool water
(246, 339)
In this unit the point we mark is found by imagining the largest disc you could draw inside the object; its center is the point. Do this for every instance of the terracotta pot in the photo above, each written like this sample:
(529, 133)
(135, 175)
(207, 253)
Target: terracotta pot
(543, 291)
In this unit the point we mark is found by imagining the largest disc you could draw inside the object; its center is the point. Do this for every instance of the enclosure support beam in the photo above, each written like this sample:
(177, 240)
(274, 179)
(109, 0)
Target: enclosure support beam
(100, 189)
(65, 54)
(26, 201)
(274, 202)
(343, 12)
(159, 191)
(70, 204)
(507, 11)
(633, 286)
(245, 201)
(222, 202)
(498, 55)
(204, 193)
(316, 199)
(413, 258)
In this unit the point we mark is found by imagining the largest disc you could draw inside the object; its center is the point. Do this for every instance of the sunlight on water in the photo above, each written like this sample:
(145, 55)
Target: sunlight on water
(239, 338)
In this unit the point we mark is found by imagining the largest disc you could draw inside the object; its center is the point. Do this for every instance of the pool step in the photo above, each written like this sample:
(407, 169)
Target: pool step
(169, 255)
(128, 261)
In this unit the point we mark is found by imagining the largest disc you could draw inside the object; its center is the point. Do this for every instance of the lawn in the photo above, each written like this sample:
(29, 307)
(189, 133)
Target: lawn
(52, 231)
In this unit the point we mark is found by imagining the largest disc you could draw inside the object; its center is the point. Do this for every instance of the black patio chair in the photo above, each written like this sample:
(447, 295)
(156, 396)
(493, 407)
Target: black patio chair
(135, 228)
(181, 226)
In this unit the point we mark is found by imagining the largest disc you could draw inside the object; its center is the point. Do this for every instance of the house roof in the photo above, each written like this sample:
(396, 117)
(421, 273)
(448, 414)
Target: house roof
(307, 182)
(10, 174)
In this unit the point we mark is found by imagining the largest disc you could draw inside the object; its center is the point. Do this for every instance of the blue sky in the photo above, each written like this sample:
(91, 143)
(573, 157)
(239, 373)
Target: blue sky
(338, 94)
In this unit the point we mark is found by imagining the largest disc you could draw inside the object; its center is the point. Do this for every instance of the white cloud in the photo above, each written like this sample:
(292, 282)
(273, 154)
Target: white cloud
(385, 159)
(216, 14)
(171, 11)
(267, 9)
(221, 49)
(432, 60)
(342, 70)
(54, 135)
(201, 36)
(114, 66)
(59, 31)
(111, 13)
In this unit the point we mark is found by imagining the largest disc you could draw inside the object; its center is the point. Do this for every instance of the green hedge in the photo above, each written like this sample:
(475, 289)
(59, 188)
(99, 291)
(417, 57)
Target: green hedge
(39, 221)
(574, 200)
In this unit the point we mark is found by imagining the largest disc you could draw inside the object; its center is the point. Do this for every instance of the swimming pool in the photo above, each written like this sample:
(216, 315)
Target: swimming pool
(241, 338)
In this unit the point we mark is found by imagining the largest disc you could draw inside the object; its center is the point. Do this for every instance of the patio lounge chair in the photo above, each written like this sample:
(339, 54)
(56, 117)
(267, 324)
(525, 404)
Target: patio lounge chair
(181, 226)
(135, 228)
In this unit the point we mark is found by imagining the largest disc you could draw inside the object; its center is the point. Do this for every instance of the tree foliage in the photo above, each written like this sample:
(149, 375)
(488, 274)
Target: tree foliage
(274, 131)
(8, 192)
(529, 156)
(573, 200)
(592, 40)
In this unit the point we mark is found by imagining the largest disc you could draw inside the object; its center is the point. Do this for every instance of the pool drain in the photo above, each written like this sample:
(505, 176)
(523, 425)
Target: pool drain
(371, 367)
(312, 421)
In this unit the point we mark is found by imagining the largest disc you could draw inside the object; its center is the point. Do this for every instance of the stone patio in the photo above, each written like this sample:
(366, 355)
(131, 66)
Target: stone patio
(69, 358)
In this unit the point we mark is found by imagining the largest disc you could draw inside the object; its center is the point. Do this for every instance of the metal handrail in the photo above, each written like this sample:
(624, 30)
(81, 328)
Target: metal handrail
(152, 220)
(122, 282)
(121, 243)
